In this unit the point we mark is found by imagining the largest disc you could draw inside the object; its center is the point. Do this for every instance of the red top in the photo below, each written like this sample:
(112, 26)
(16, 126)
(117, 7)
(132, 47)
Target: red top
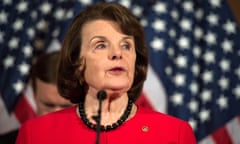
(146, 127)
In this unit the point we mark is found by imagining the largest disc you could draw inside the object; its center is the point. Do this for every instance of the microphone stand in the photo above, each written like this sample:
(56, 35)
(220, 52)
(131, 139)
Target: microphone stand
(101, 95)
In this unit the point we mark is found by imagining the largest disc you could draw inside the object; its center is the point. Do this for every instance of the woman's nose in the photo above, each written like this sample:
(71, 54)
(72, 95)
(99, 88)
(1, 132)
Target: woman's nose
(115, 53)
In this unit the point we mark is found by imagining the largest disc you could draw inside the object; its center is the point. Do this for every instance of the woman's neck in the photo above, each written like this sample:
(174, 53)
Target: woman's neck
(111, 110)
(107, 125)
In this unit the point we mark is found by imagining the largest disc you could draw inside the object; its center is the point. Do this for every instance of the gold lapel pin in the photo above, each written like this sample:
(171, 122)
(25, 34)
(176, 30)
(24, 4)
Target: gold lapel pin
(145, 129)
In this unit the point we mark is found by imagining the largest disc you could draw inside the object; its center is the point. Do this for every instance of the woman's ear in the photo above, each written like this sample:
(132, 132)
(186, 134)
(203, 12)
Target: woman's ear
(80, 71)
(82, 64)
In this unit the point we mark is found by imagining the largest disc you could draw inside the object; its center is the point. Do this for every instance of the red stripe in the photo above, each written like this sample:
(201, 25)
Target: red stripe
(221, 136)
(23, 110)
(143, 101)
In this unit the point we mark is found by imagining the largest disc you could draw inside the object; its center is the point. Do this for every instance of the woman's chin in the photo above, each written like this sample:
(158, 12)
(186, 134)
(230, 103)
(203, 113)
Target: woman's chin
(117, 88)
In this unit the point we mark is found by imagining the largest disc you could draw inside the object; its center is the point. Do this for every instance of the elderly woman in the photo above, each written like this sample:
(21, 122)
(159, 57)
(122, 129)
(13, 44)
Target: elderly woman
(104, 55)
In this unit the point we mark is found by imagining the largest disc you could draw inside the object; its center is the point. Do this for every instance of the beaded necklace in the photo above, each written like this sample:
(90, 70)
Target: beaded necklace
(122, 119)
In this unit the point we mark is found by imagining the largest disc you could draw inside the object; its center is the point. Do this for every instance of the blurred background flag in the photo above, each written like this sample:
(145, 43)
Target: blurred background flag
(27, 28)
(194, 48)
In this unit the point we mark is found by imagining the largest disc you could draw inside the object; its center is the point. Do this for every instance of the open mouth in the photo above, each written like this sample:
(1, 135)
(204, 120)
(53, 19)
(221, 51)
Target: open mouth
(117, 70)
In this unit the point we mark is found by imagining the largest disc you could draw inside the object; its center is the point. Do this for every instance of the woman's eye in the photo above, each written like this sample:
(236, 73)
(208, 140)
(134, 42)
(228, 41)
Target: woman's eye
(100, 46)
(126, 46)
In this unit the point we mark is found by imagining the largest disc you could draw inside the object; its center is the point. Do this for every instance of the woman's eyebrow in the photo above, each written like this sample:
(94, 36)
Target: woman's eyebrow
(98, 37)
(105, 39)
(128, 37)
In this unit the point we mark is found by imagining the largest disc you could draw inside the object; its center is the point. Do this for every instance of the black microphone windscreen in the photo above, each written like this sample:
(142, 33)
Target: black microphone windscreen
(101, 95)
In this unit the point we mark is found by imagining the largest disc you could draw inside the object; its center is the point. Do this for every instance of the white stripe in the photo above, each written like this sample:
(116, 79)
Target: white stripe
(207, 140)
(7, 122)
(30, 97)
(233, 128)
(155, 91)
(54, 46)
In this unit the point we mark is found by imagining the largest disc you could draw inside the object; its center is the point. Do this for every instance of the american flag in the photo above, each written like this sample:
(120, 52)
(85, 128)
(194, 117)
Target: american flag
(194, 71)
(27, 28)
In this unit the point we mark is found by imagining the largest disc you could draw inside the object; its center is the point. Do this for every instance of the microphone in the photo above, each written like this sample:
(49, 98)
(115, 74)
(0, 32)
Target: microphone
(101, 95)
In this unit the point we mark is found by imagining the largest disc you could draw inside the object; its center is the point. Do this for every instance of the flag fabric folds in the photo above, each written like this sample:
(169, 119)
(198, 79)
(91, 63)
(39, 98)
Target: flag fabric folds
(194, 49)
(26, 30)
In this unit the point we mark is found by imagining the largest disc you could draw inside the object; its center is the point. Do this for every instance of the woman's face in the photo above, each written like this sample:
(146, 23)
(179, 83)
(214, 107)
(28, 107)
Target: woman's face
(109, 56)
